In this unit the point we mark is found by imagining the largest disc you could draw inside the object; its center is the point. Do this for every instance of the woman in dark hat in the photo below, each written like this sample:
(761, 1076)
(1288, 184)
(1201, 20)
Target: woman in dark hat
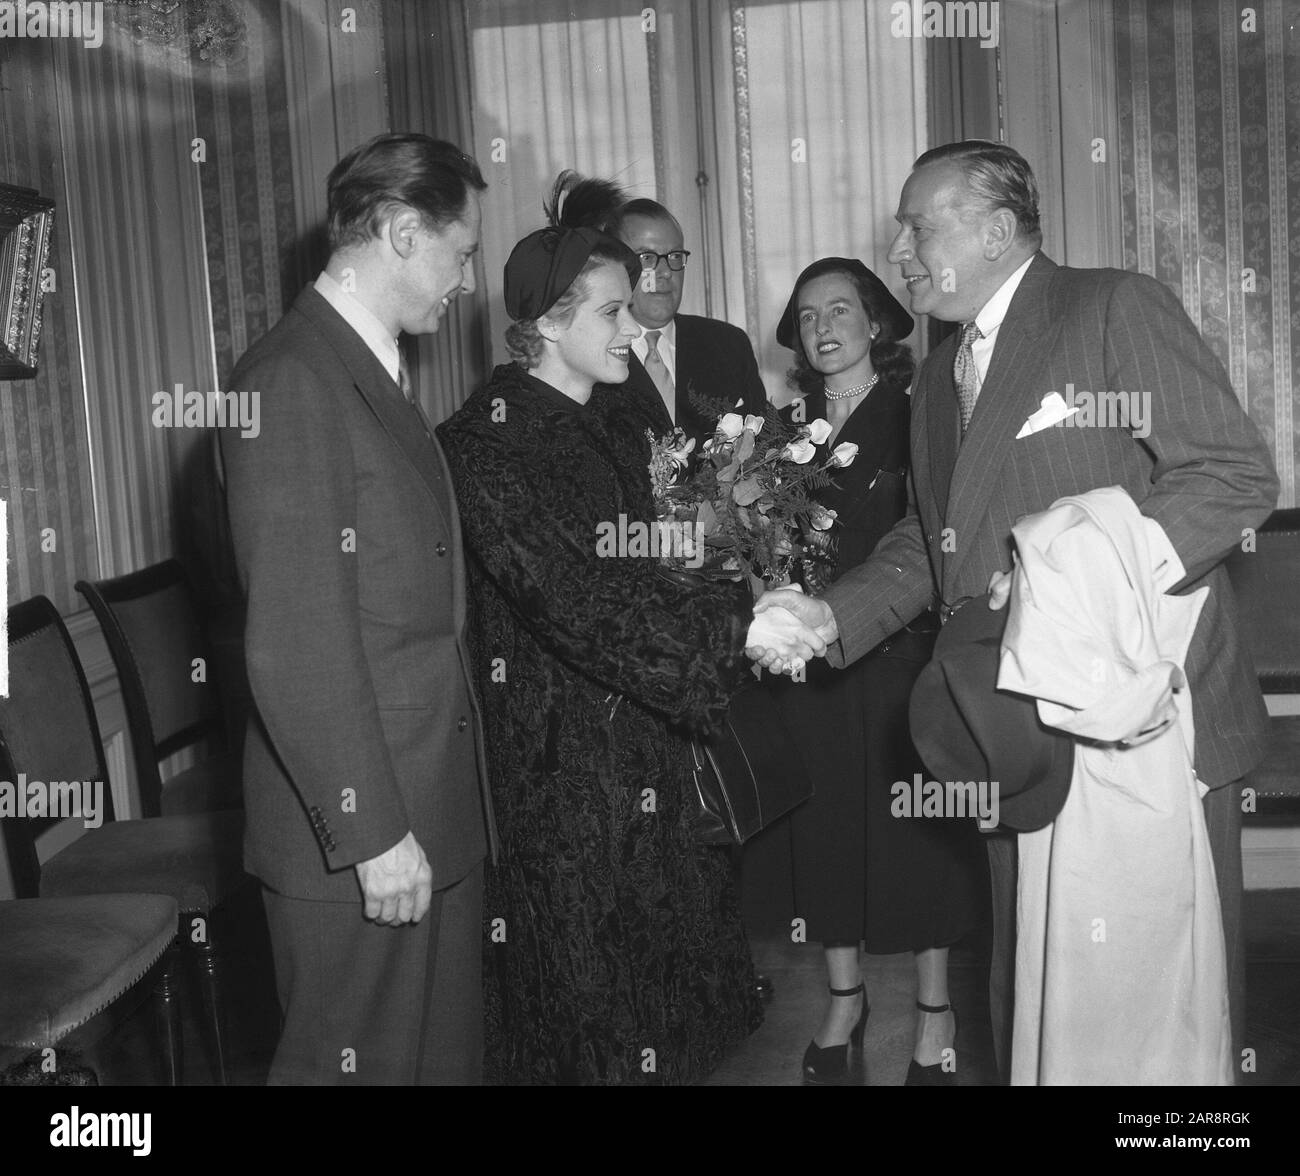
(616, 951)
(860, 874)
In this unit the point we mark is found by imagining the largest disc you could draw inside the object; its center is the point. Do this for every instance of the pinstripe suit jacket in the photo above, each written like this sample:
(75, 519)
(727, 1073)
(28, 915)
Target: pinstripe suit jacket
(1203, 473)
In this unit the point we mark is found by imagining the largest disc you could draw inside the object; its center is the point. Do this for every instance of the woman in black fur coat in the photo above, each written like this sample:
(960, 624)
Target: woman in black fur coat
(616, 952)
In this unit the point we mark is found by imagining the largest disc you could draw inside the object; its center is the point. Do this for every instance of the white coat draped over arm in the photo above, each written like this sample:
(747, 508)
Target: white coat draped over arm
(1120, 966)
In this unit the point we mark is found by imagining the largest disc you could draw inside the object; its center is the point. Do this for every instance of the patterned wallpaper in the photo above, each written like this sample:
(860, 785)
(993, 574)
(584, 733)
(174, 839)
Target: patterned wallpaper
(255, 257)
(1209, 106)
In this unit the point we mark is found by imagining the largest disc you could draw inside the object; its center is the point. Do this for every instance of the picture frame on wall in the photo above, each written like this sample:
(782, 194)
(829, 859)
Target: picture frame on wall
(26, 221)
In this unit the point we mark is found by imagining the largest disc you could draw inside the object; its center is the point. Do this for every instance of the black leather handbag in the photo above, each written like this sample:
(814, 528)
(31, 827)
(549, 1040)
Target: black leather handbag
(749, 773)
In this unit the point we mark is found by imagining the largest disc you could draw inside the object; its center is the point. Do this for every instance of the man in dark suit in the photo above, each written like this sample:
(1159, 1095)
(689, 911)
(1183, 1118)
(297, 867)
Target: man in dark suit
(676, 353)
(364, 784)
(968, 249)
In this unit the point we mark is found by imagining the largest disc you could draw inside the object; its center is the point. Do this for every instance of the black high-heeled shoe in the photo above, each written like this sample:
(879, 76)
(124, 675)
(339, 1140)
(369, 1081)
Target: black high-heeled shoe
(935, 1075)
(828, 1065)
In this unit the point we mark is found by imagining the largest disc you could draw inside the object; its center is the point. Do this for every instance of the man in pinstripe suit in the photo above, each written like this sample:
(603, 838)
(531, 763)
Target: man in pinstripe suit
(968, 249)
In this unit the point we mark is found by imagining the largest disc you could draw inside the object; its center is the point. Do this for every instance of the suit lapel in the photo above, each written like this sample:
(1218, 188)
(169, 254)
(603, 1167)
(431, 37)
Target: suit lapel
(640, 379)
(691, 374)
(401, 421)
(1012, 389)
(942, 423)
(685, 373)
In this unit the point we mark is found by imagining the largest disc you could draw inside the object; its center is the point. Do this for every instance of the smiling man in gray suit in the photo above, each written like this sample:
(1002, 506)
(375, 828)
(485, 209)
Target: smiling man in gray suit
(364, 787)
(968, 249)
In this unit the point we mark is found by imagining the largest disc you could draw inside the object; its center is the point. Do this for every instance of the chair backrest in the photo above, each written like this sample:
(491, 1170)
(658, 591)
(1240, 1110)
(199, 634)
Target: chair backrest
(1266, 582)
(153, 633)
(49, 736)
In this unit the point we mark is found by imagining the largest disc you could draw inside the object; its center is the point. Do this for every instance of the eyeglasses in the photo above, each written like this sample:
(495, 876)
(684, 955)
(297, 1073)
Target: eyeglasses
(676, 260)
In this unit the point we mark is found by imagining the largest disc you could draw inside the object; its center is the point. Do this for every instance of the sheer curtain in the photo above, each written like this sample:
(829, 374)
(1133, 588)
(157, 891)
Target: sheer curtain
(426, 49)
(777, 132)
(555, 85)
(827, 113)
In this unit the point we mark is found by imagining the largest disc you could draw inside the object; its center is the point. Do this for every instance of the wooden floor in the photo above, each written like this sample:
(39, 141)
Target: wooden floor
(771, 1056)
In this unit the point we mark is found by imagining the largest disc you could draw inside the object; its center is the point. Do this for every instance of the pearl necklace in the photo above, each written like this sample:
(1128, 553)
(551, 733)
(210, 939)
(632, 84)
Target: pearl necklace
(857, 390)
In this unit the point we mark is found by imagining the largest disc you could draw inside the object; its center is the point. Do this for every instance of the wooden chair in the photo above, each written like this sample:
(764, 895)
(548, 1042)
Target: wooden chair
(48, 732)
(72, 968)
(1266, 582)
(169, 686)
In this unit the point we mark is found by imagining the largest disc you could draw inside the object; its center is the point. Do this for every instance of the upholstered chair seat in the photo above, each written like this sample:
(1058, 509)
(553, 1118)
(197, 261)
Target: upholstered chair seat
(195, 859)
(63, 961)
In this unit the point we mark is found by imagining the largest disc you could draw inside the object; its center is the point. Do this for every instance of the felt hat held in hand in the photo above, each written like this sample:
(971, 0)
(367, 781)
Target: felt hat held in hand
(965, 728)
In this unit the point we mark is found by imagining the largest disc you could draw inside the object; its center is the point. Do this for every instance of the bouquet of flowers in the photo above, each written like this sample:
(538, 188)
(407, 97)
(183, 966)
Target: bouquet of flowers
(750, 499)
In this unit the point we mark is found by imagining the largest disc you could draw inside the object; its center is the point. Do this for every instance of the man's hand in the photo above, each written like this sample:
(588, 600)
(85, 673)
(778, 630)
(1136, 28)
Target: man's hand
(397, 885)
(788, 629)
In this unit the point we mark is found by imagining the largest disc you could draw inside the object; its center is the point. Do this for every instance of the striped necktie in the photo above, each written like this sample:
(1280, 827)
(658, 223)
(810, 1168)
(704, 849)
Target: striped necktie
(658, 372)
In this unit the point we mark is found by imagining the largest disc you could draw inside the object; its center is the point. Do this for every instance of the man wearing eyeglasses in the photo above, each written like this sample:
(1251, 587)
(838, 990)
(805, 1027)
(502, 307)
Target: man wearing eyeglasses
(679, 352)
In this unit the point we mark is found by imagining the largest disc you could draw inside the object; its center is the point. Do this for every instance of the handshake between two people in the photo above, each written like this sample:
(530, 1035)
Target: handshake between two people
(789, 630)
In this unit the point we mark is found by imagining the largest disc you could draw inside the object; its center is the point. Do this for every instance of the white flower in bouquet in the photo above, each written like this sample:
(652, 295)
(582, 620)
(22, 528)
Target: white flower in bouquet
(730, 426)
(844, 454)
(801, 451)
(754, 424)
(818, 431)
(685, 446)
(822, 517)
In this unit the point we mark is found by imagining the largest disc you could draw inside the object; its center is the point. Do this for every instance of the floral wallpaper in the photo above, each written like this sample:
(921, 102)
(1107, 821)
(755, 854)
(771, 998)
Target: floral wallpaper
(1209, 108)
(243, 113)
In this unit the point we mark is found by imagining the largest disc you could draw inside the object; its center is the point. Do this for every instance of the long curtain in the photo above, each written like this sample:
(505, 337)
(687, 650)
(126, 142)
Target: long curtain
(556, 84)
(426, 50)
(45, 472)
(829, 111)
(777, 133)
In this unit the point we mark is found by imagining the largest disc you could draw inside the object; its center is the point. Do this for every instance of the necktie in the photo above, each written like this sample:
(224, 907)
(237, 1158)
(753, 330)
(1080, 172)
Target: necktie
(404, 378)
(658, 370)
(408, 390)
(964, 373)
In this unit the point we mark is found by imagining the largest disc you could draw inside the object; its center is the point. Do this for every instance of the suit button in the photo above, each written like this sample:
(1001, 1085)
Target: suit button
(441, 549)
(462, 723)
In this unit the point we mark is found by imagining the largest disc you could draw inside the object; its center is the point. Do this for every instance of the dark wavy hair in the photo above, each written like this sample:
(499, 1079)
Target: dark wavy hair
(891, 359)
(432, 176)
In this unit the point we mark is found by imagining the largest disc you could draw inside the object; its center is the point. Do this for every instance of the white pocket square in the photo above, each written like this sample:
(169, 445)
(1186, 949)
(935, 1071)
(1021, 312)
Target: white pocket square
(1051, 411)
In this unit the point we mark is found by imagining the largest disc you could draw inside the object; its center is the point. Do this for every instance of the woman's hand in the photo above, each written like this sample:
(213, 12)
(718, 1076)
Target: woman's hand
(788, 629)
